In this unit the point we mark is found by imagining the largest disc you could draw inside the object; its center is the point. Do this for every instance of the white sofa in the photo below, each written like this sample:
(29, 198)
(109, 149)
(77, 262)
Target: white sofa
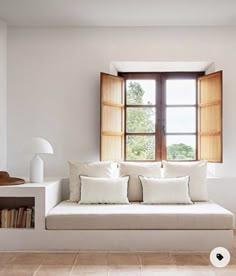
(64, 225)
(138, 226)
(136, 216)
(198, 227)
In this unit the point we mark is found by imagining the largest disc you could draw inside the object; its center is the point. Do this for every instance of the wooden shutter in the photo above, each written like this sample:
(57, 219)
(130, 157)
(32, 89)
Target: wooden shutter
(210, 117)
(112, 118)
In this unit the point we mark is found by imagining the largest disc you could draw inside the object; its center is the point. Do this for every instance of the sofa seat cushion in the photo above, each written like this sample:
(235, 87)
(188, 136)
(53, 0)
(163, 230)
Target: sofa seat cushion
(200, 215)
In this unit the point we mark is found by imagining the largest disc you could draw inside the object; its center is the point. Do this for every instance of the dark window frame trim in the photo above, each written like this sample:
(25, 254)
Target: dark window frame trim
(160, 133)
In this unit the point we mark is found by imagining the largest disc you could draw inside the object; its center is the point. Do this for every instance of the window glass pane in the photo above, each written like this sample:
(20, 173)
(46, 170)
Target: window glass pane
(181, 147)
(180, 92)
(140, 92)
(180, 119)
(140, 119)
(140, 147)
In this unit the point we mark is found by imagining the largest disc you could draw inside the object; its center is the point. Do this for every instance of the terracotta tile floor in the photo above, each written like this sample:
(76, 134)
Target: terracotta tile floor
(113, 264)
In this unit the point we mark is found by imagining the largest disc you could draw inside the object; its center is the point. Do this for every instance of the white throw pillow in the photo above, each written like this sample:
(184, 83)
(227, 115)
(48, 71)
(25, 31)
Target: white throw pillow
(104, 190)
(94, 169)
(165, 190)
(197, 172)
(134, 169)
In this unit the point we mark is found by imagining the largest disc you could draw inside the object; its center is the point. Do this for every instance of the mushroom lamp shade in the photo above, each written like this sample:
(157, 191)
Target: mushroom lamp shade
(38, 146)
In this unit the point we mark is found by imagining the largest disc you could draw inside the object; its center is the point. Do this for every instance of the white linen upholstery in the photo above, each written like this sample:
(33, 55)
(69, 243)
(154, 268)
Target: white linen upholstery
(94, 169)
(104, 190)
(172, 190)
(200, 215)
(196, 170)
(133, 170)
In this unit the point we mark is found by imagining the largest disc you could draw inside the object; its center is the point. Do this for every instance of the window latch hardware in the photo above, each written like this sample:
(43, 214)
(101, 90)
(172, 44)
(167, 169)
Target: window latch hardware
(163, 130)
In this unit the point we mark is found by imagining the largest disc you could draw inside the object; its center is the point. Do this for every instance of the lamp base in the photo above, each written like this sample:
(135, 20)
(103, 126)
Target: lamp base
(36, 169)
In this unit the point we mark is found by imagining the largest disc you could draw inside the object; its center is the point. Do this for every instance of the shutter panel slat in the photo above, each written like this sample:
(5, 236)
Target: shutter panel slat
(112, 118)
(210, 117)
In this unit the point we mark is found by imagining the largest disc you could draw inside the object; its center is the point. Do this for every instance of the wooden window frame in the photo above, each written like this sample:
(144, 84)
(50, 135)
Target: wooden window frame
(160, 105)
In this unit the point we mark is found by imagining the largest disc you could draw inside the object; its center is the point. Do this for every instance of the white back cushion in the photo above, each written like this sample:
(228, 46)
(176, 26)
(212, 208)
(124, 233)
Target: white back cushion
(196, 170)
(93, 169)
(104, 190)
(134, 169)
(165, 190)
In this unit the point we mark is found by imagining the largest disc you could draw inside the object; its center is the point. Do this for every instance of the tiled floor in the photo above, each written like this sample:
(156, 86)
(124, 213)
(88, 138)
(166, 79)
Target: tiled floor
(112, 264)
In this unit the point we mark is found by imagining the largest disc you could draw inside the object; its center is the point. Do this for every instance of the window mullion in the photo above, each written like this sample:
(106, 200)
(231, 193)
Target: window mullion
(159, 118)
(163, 117)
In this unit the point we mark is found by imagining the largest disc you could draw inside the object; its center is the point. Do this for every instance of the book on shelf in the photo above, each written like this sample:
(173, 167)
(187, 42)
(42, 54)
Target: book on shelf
(22, 217)
(4, 218)
(28, 218)
(19, 222)
(32, 217)
(23, 222)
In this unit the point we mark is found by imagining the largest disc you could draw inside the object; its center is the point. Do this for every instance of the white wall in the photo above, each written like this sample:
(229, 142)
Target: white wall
(53, 84)
(3, 95)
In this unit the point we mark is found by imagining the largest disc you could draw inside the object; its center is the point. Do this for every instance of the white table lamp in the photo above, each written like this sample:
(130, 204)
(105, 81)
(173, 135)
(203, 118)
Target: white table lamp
(39, 146)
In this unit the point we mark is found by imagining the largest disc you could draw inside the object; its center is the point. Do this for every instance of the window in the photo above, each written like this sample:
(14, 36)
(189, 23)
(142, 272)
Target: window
(161, 116)
(181, 118)
(140, 119)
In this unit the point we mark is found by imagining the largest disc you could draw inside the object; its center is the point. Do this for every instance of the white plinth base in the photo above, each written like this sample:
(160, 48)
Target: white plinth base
(115, 240)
